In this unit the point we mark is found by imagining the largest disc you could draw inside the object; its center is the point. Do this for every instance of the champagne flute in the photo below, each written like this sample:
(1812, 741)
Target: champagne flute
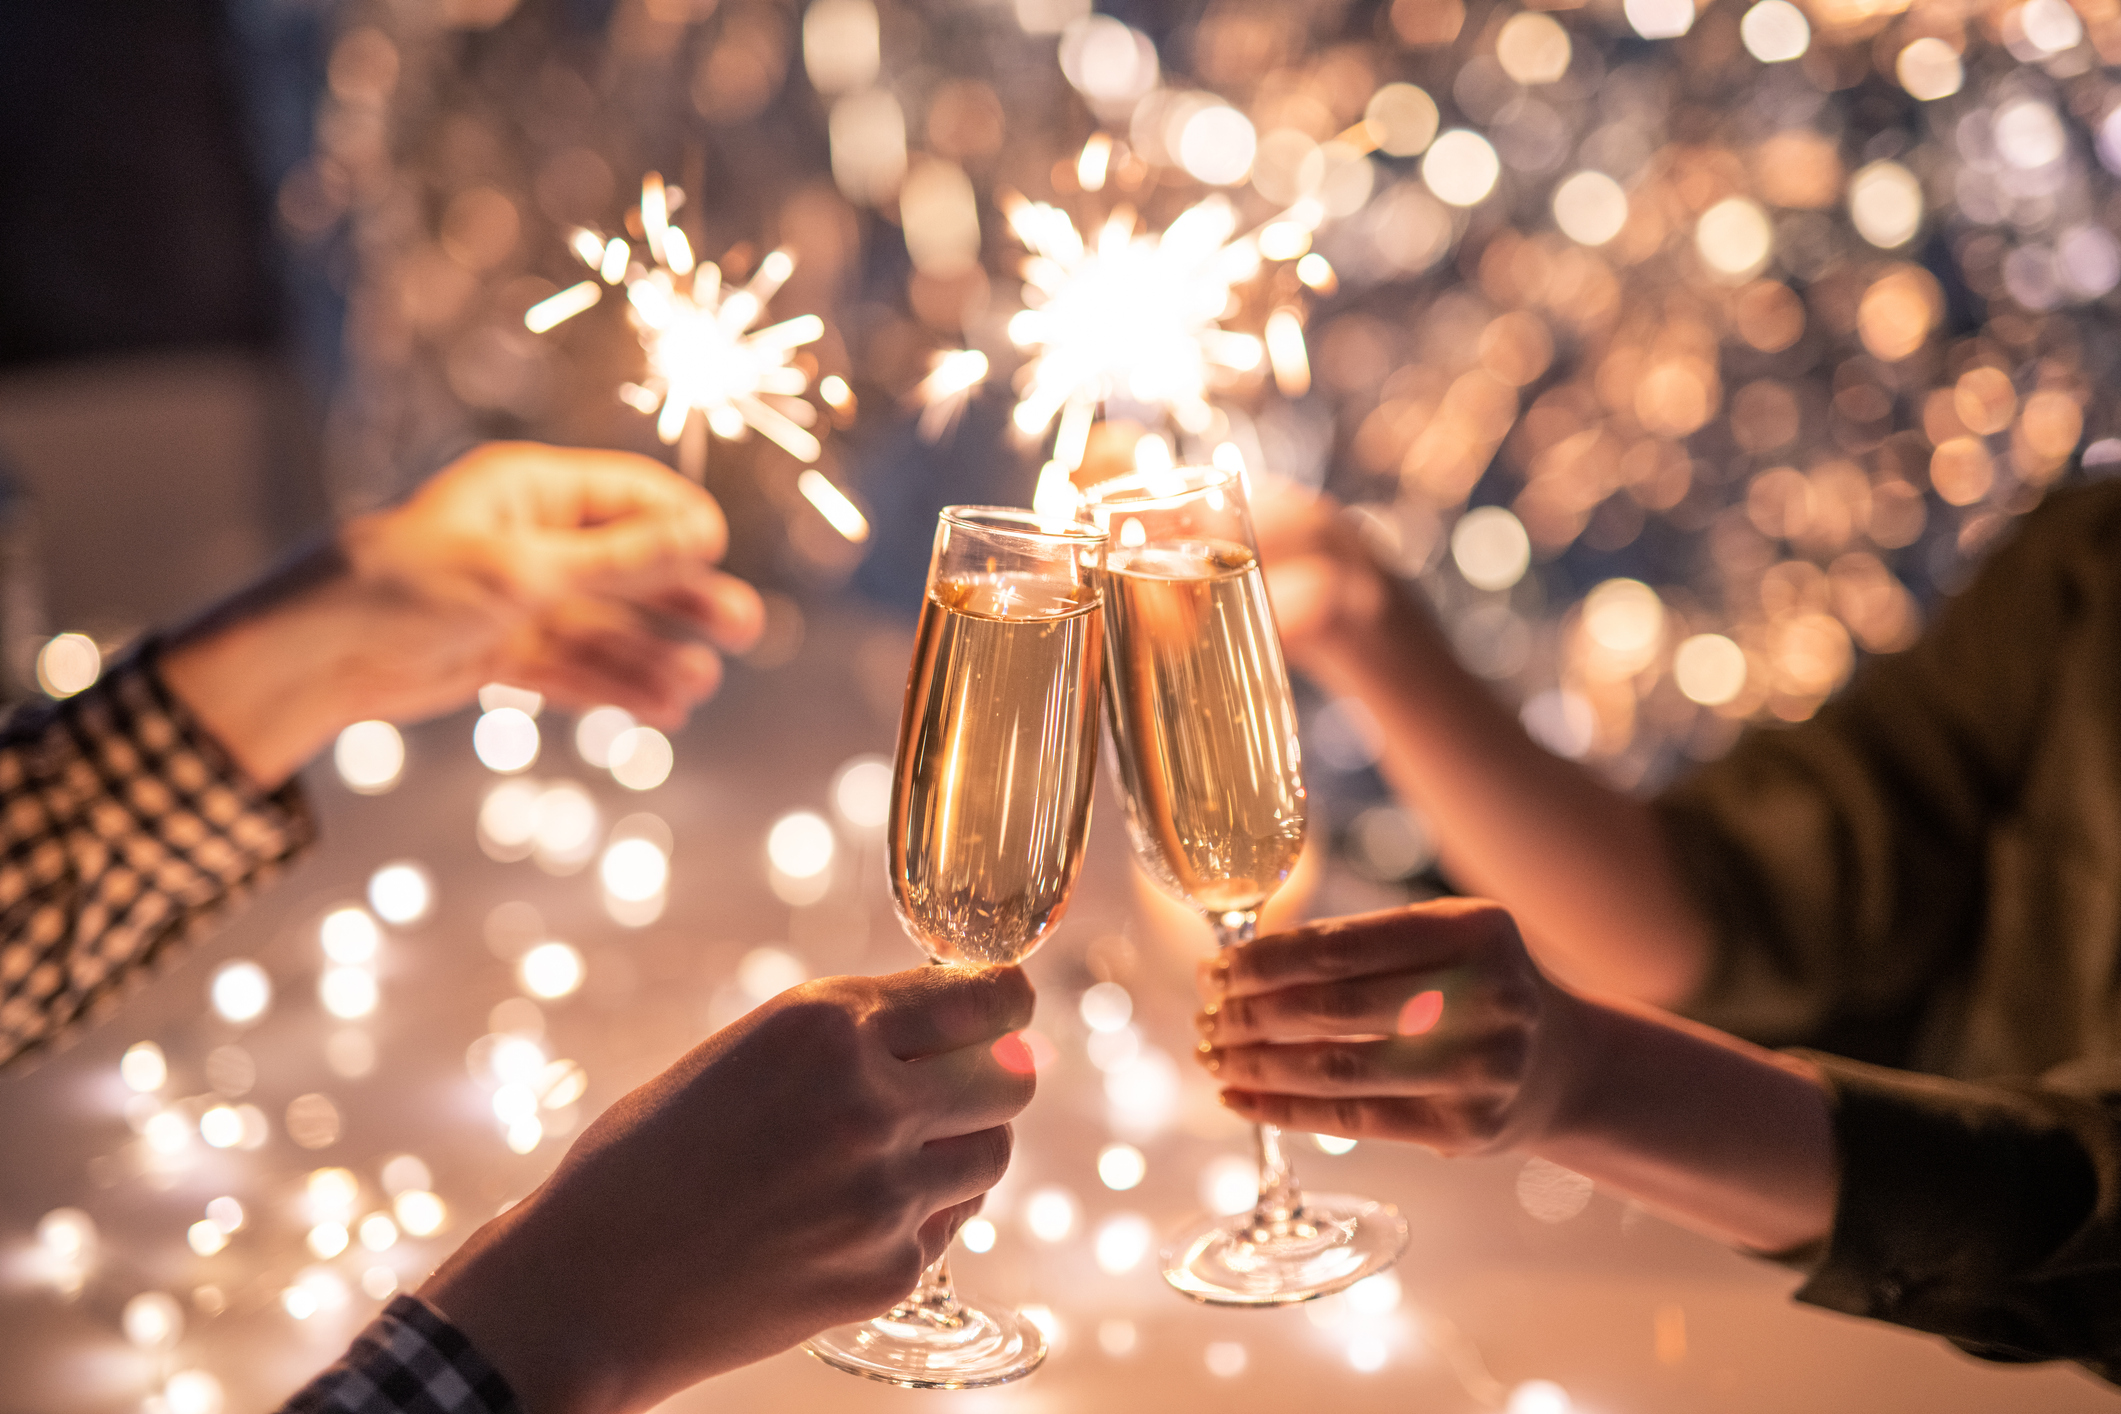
(990, 808)
(1204, 733)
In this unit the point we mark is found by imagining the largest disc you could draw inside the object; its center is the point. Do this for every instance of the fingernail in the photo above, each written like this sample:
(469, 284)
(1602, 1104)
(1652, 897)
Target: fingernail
(1208, 1021)
(1219, 977)
(1211, 1058)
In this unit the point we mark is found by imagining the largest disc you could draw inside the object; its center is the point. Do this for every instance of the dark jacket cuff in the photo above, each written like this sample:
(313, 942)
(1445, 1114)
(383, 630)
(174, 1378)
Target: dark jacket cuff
(1983, 1213)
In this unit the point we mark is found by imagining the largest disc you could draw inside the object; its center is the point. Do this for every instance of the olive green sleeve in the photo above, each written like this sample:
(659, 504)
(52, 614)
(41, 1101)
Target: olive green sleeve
(1840, 863)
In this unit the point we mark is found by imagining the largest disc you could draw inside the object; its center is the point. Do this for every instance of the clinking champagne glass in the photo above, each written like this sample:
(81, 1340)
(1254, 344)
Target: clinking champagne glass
(990, 808)
(1204, 732)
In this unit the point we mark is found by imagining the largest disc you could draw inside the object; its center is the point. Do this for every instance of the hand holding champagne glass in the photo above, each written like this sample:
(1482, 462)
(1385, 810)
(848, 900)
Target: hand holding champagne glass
(1205, 736)
(990, 808)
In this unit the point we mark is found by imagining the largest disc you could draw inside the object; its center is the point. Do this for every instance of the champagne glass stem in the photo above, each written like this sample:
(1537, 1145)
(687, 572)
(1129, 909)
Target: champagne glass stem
(933, 1301)
(1280, 1199)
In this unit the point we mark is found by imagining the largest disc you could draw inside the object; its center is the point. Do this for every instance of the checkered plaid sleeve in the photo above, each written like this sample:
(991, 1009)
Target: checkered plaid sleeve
(124, 826)
(409, 1361)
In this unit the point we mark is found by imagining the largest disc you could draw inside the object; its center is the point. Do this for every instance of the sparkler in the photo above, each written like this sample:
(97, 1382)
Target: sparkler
(708, 368)
(1130, 315)
(1138, 316)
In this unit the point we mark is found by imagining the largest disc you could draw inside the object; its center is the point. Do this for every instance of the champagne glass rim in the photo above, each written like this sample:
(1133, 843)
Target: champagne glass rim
(1014, 520)
(1158, 488)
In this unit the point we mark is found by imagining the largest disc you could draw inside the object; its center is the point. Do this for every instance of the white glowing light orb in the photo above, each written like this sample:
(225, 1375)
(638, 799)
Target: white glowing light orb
(1734, 238)
(1660, 19)
(1591, 208)
(1367, 1354)
(508, 818)
(862, 792)
(349, 936)
(1106, 1007)
(225, 1213)
(1377, 1295)
(401, 893)
(1143, 1093)
(205, 1238)
(1929, 69)
(379, 1283)
(550, 970)
(221, 1127)
(1225, 1359)
(1107, 62)
(420, 1213)
(193, 1392)
(298, 1302)
(525, 1134)
(1626, 619)
(641, 758)
(1229, 1184)
(505, 740)
(405, 1173)
(327, 1240)
(378, 1232)
(597, 730)
(1491, 548)
(153, 1320)
(513, 1104)
(1050, 1213)
(1122, 1241)
(348, 993)
(240, 991)
(1539, 1397)
(332, 1193)
(369, 756)
(564, 830)
(634, 870)
(1401, 119)
(1121, 1167)
(2047, 28)
(1710, 669)
(67, 1233)
(764, 973)
(1885, 202)
(1460, 167)
(1333, 1144)
(800, 845)
(977, 1235)
(1775, 32)
(68, 664)
(1533, 48)
(143, 1067)
(2029, 135)
(168, 1133)
(1217, 145)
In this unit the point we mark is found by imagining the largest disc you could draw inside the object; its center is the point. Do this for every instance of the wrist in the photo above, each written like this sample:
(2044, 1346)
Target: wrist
(503, 1305)
(265, 673)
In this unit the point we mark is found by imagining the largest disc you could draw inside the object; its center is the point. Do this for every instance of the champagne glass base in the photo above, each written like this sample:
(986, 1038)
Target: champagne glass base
(1331, 1243)
(920, 1347)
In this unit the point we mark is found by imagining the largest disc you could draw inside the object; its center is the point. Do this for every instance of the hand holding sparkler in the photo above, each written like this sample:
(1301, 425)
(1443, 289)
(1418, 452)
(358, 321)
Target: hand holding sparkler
(552, 569)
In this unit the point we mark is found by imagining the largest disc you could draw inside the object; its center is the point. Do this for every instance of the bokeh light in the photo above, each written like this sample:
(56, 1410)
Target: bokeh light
(550, 970)
(1590, 207)
(240, 991)
(1460, 167)
(369, 757)
(505, 740)
(68, 663)
(401, 893)
(641, 758)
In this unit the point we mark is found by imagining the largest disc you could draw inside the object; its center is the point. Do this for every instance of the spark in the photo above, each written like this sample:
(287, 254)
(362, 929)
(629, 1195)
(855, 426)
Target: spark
(704, 356)
(944, 392)
(1131, 315)
(833, 505)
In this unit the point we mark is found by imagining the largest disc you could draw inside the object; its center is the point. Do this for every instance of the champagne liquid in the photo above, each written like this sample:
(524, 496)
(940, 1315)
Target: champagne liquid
(1203, 724)
(990, 800)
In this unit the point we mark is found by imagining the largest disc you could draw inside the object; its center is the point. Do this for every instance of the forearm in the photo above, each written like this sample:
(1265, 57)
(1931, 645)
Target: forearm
(1581, 865)
(1719, 1135)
